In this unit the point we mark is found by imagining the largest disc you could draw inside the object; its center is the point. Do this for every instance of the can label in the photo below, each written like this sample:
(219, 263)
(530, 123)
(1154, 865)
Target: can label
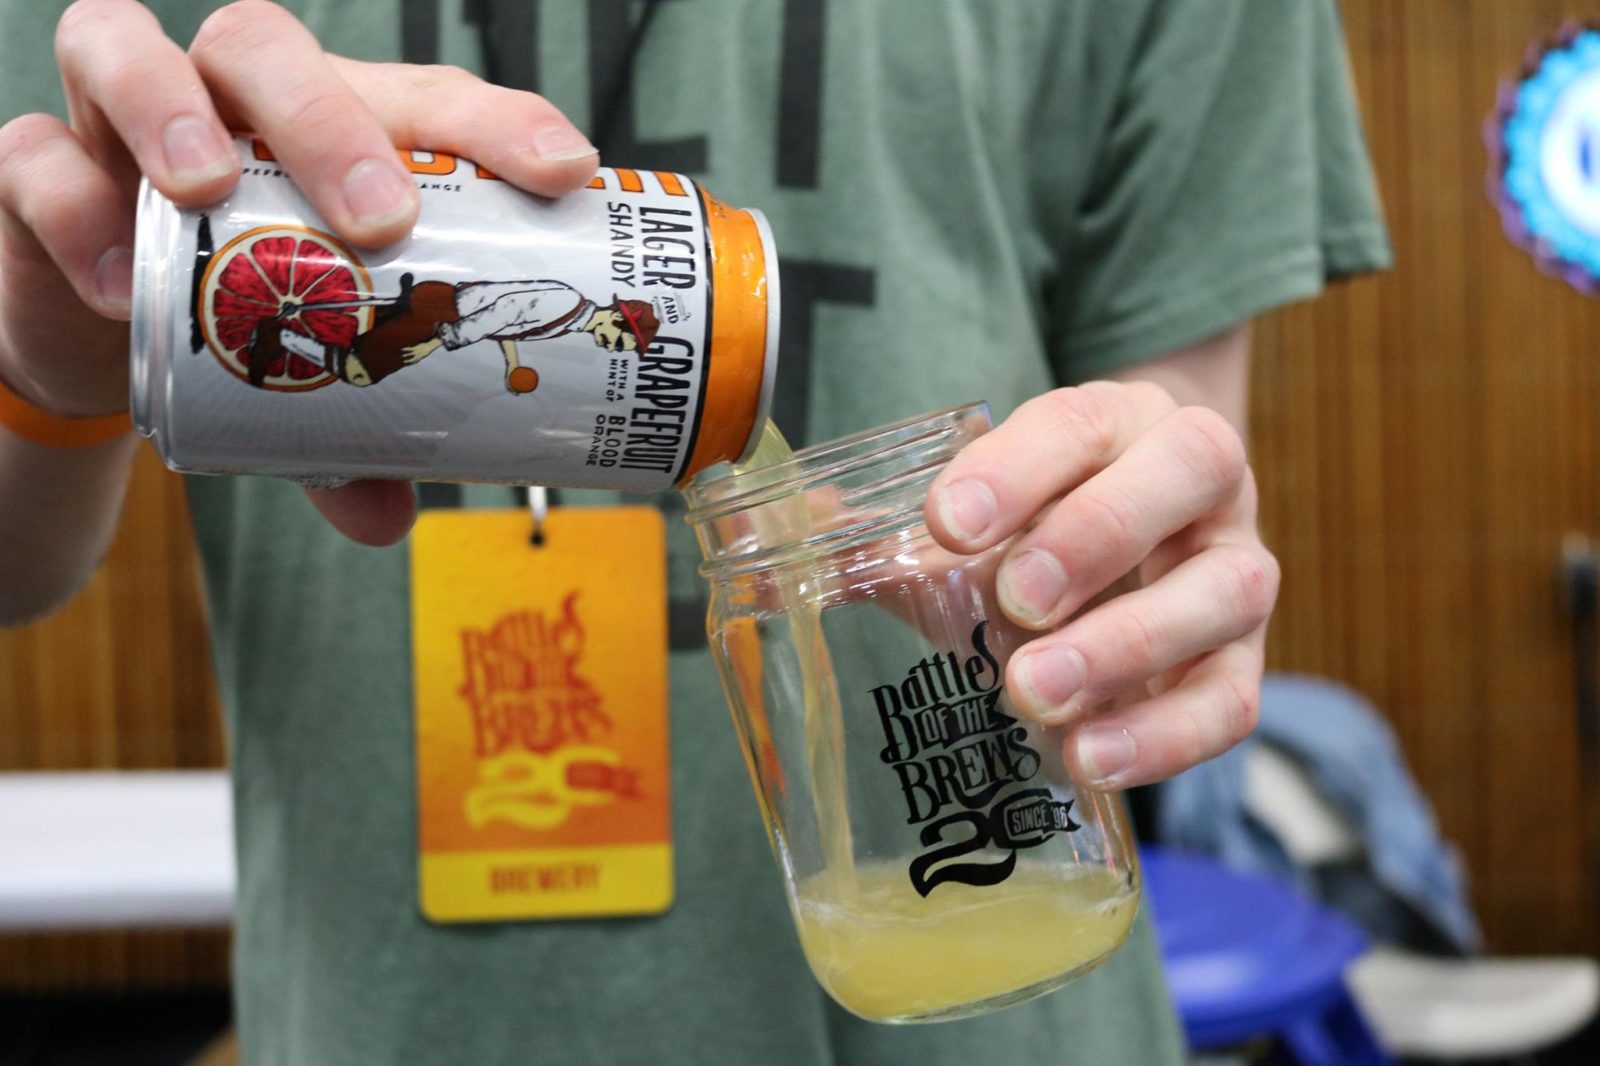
(622, 336)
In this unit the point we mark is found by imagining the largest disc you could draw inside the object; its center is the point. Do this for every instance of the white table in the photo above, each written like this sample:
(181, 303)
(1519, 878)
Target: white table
(116, 849)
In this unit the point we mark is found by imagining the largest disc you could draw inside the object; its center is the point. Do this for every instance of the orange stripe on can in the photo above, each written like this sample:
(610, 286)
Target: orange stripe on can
(739, 292)
(437, 163)
(670, 183)
(629, 180)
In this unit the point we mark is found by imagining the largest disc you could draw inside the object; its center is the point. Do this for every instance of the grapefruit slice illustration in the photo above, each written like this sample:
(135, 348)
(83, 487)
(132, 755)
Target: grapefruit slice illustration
(282, 277)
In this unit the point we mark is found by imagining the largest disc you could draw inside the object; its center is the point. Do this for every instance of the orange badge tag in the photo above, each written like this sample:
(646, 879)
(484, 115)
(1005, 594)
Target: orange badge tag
(541, 690)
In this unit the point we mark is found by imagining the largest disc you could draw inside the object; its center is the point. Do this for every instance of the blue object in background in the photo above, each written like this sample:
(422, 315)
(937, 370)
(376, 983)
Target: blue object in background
(1349, 754)
(1248, 957)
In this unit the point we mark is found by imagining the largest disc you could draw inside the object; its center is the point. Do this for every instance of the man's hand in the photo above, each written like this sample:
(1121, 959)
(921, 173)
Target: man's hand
(139, 104)
(1110, 480)
(416, 353)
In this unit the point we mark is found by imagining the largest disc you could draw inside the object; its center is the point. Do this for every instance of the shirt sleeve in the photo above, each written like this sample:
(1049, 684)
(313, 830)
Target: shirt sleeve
(1231, 177)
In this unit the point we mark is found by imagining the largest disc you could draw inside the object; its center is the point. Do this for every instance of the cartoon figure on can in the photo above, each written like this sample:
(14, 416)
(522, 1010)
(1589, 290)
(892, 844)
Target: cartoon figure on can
(290, 309)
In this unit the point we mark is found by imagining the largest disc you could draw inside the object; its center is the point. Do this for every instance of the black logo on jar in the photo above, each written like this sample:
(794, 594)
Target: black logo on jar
(1029, 818)
(951, 746)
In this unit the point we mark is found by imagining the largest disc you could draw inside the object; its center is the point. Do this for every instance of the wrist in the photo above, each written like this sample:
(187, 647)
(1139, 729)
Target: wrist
(26, 417)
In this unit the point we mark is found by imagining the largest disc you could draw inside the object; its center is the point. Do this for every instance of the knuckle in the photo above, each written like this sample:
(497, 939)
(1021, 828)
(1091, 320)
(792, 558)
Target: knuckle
(1137, 638)
(81, 21)
(437, 76)
(1212, 447)
(25, 151)
(320, 114)
(24, 135)
(1104, 518)
(516, 108)
(1148, 394)
(1191, 734)
(1252, 582)
(530, 104)
(237, 25)
(1085, 417)
(1249, 494)
(127, 78)
(1236, 708)
(54, 212)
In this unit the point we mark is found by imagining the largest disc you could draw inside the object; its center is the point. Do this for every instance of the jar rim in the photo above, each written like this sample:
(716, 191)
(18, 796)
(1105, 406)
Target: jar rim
(720, 491)
(866, 486)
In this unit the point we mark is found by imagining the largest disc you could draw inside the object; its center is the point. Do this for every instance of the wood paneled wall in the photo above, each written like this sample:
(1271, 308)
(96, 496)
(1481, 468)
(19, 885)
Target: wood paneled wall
(1424, 440)
(118, 679)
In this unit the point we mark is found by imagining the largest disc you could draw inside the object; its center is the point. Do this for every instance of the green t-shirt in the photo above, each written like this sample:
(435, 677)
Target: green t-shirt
(973, 200)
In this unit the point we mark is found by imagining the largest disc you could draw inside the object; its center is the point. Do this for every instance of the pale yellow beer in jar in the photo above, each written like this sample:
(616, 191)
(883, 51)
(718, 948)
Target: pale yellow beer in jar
(887, 954)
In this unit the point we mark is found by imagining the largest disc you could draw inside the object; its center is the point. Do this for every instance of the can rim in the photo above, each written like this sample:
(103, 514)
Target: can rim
(769, 366)
(155, 215)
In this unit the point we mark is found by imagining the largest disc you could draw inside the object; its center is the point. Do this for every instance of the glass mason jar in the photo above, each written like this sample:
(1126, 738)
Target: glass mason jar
(939, 860)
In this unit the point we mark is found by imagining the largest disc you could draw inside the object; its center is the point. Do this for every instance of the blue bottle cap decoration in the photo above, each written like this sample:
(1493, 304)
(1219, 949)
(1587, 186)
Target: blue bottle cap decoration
(1544, 156)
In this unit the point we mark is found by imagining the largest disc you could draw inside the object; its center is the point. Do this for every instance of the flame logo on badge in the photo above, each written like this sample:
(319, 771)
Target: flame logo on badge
(537, 722)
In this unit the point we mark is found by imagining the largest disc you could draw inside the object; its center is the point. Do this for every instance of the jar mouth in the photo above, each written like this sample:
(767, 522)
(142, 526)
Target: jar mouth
(867, 483)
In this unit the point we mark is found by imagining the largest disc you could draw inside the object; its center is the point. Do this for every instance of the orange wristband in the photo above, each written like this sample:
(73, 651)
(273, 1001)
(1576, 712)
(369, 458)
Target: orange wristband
(55, 431)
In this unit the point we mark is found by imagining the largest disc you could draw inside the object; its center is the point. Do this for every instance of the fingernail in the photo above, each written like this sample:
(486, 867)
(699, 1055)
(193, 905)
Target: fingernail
(1031, 586)
(1103, 753)
(560, 142)
(377, 192)
(967, 509)
(195, 151)
(1048, 678)
(113, 280)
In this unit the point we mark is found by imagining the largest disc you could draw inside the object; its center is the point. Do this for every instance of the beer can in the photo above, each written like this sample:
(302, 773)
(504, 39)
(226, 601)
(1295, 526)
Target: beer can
(624, 336)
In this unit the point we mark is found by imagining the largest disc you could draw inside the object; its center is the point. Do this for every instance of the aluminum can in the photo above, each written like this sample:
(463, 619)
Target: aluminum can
(624, 336)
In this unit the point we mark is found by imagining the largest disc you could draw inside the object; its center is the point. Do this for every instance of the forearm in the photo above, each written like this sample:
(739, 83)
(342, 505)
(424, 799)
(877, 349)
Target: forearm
(58, 510)
(1212, 373)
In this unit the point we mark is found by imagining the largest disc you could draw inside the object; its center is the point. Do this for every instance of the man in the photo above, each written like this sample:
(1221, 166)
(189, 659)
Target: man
(535, 310)
(971, 201)
(455, 316)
